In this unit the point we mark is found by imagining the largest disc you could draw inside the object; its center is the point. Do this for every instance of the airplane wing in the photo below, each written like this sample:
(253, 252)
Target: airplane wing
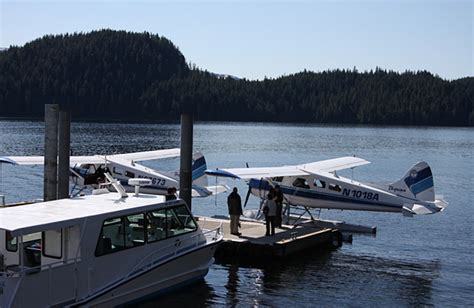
(95, 159)
(256, 173)
(25, 160)
(148, 155)
(334, 164)
(39, 160)
(329, 165)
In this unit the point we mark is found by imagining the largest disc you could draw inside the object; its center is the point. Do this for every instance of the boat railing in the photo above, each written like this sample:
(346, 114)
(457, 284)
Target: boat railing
(18, 270)
(176, 248)
(21, 271)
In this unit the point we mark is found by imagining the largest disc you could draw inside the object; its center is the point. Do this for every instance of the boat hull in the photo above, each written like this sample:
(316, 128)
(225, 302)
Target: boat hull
(157, 279)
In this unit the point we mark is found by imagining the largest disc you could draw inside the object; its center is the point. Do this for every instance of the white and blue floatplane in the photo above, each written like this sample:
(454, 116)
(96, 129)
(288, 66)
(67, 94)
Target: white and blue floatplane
(317, 185)
(88, 171)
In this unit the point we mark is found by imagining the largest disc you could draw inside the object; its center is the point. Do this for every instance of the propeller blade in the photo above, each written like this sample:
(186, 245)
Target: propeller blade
(247, 197)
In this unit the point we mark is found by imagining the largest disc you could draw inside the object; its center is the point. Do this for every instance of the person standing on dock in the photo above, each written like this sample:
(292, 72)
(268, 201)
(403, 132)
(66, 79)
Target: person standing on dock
(269, 209)
(279, 205)
(234, 203)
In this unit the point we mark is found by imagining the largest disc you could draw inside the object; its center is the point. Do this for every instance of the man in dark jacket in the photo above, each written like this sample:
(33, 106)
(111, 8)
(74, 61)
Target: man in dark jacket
(234, 204)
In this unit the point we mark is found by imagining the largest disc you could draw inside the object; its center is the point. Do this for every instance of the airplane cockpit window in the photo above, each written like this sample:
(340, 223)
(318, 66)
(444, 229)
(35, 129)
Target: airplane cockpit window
(277, 179)
(301, 183)
(318, 183)
(335, 187)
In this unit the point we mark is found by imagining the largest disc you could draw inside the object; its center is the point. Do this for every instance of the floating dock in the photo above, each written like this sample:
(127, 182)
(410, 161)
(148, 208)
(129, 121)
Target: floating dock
(253, 246)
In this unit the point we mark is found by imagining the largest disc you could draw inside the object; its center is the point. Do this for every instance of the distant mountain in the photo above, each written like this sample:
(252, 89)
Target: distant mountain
(101, 73)
(140, 76)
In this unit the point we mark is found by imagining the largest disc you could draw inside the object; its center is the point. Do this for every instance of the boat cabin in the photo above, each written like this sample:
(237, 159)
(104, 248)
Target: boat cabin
(88, 242)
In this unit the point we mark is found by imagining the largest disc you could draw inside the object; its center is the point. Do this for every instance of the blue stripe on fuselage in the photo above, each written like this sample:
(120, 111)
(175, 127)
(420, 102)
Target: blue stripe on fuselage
(306, 193)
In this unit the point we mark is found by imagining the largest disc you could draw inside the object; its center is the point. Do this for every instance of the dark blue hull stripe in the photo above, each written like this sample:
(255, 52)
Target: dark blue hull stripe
(155, 265)
(304, 193)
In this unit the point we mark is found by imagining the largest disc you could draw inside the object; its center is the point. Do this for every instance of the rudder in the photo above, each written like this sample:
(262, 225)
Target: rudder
(417, 183)
(199, 166)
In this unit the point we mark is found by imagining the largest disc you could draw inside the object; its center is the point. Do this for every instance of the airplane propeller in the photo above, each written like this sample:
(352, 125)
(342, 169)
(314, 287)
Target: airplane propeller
(249, 191)
(247, 197)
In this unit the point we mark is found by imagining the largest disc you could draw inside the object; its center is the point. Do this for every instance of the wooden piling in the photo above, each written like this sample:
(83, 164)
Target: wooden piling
(185, 174)
(64, 148)
(50, 180)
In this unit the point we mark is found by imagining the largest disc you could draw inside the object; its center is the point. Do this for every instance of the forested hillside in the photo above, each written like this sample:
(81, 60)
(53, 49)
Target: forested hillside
(138, 76)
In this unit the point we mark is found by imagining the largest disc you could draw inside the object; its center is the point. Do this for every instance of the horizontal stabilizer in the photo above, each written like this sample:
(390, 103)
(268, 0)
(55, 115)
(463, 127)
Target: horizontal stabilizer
(424, 209)
(199, 191)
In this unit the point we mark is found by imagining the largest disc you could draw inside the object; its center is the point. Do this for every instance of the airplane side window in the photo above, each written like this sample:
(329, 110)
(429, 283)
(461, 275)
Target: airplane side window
(301, 183)
(335, 187)
(277, 179)
(129, 174)
(318, 183)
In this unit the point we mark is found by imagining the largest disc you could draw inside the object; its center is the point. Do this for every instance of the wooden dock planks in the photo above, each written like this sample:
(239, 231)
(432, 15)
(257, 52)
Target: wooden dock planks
(253, 246)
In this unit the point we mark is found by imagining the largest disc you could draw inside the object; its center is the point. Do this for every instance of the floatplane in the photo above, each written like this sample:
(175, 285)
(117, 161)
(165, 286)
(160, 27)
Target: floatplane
(317, 185)
(88, 171)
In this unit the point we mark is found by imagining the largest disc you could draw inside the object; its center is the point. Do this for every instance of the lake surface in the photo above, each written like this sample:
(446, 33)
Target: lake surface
(425, 260)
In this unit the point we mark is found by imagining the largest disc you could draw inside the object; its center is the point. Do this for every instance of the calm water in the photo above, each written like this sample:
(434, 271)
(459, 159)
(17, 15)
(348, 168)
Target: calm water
(425, 260)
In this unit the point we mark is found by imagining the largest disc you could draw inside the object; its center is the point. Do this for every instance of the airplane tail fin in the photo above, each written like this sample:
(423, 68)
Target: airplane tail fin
(417, 183)
(199, 166)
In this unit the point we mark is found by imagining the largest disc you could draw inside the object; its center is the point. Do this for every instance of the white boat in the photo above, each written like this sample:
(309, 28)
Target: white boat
(100, 250)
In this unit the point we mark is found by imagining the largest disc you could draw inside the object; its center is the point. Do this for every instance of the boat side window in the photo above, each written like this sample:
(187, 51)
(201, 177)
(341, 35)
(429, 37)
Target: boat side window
(181, 221)
(156, 222)
(11, 243)
(134, 230)
(318, 183)
(169, 222)
(121, 233)
(52, 243)
(32, 249)
(335, 187)
(111, 239)
(301, 183)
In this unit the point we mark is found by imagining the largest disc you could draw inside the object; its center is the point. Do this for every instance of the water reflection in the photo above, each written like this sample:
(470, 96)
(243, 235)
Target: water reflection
(199, 294)
(325, 278)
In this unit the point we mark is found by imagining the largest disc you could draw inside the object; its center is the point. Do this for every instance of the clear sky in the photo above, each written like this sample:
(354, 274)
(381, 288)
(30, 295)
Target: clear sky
(254, 39)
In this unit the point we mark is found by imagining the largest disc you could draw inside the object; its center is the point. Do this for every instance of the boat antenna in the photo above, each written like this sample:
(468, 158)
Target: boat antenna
(116, 184)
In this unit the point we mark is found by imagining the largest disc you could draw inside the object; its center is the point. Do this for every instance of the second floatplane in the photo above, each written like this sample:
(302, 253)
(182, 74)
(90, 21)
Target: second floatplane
(317, 185)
